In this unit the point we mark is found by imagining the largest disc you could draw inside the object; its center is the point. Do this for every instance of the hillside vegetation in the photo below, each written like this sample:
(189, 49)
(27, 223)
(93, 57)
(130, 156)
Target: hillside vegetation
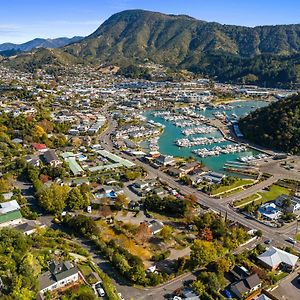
(263, 55)
(275, 126)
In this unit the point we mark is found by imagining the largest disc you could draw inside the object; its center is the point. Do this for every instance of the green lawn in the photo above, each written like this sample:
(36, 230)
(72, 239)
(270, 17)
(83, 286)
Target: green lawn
(87, 271)
(225, 188)
(274, 192)
(246, 200)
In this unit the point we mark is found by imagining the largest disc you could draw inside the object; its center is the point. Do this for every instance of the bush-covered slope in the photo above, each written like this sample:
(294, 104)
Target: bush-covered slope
(263, 55)
(275, 126)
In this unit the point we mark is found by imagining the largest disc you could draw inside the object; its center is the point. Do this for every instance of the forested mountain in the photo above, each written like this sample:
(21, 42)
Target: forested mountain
(40, 43)
(263, 55)
(138, 34)
(275, 126)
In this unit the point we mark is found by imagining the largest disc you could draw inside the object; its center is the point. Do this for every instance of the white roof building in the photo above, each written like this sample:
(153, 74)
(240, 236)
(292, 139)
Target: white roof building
(275, 257)
(9, 206)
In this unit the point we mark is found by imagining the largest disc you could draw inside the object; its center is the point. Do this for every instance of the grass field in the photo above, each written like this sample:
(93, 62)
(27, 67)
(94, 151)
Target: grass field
(263, 197)
(235, 185)
(274, 192)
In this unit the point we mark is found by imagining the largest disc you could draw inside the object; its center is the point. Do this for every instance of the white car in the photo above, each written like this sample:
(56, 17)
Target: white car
(177, 298)
(101, 292)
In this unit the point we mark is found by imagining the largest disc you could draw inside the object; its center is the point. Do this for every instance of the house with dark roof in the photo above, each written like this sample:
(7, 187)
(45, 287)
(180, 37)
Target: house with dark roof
(245, 286)
(29, 227)
(293, 203)
(60, 274)
(51, 158)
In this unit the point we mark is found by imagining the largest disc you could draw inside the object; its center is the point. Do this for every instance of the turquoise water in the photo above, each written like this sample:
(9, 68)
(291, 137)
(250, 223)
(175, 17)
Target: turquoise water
(172, 133)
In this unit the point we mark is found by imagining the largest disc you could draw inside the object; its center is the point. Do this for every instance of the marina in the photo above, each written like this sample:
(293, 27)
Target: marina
(168, 142)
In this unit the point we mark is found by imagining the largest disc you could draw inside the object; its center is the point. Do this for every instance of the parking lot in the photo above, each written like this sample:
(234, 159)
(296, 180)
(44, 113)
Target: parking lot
(289, 288)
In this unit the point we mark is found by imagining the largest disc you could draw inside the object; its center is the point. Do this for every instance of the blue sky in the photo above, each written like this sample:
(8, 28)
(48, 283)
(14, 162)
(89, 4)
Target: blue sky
(22, 20)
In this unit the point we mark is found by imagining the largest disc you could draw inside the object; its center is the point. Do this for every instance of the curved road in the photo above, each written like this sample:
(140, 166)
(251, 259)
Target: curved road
(278, 235)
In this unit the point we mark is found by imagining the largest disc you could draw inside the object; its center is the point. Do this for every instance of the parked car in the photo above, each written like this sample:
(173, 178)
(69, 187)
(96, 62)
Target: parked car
(227, 294)
(101, 292)
(268, 242)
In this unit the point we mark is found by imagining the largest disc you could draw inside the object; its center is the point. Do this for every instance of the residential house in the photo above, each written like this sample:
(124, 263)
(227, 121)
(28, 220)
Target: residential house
(10, 213)
(245, 286)
(51, 158)
(176, 172)
(39, 147)
(214, 177)
(294, 203)
(33, 160)
(275, 258)
(58, 276)
(165, 160)
(155, 226)
(29, 227)
(270, 212)
(190, 167)
(189, 294)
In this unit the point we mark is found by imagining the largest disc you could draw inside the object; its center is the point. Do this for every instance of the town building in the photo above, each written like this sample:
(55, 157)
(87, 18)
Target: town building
(10, 213)
(60, 274)
(294, 203)
(275, 258)
(51, 158)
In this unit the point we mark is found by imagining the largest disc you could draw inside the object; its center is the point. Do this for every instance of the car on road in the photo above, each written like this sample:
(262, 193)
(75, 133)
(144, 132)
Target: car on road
(268, 242)
(291, 240)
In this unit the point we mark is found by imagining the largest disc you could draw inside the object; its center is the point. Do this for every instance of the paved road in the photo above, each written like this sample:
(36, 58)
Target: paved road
(219, 205)
(278, 236)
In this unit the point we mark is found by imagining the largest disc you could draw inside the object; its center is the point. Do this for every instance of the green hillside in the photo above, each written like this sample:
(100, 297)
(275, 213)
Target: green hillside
(263, 55)
(275, 126)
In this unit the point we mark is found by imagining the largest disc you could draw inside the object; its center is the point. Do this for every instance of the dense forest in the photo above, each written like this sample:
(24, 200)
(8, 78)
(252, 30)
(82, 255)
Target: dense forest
(275, 126)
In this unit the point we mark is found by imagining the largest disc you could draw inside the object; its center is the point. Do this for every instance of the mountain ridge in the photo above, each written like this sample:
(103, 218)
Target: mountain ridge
(265, 54)
(40, 43)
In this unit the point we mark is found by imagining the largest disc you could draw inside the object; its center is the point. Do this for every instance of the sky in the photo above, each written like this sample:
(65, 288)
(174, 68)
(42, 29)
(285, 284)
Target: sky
(23, 20)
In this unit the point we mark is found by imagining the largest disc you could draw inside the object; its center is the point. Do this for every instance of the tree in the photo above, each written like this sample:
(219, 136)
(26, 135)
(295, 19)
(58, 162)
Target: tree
(166, 232)
(121, 201)
(76, 199)
(286, 203)
(143, 233)
(202, 253)
(192, 198)
(82, 225)
(199, 287)
(258, 233)
(206, 234)
(53, 199)
(38, 131)
(222, 265)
